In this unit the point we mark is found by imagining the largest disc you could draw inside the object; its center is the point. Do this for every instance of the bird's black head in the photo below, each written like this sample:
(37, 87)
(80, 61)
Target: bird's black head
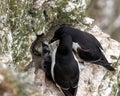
(57, 35)
(45, 48)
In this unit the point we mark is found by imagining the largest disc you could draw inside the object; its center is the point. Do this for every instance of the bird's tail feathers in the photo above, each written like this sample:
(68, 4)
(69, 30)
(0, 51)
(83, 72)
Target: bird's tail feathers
(105, 64)
(110, 68)
(70, 92)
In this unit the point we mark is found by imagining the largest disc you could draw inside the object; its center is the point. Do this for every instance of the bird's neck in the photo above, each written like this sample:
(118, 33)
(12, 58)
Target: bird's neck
(65, 44)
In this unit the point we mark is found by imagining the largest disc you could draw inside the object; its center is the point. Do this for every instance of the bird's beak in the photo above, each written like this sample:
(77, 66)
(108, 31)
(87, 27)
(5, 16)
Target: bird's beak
(52, 40)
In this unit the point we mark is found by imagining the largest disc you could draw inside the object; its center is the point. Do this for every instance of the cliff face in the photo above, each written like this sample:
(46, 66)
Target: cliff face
(17, 34)
(94, 80)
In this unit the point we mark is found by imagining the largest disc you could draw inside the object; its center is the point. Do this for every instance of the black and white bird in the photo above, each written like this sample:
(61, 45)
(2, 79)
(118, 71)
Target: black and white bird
(46, 60)
(87, 46)
(65, 68)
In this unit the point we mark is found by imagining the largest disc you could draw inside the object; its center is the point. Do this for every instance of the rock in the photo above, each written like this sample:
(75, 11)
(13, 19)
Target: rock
(16, 84)
(94, 79)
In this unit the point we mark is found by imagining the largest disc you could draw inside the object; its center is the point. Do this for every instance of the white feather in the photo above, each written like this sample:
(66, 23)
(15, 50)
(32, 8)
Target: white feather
(75, 46)
(53, 62)
(77, 61)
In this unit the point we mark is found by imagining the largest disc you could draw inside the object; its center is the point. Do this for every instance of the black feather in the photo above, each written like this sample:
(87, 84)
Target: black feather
(89, 48)
(66, 70)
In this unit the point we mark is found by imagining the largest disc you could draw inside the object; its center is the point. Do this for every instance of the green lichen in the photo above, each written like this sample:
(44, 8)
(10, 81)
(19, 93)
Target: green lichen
(24, 20)
(116, 86)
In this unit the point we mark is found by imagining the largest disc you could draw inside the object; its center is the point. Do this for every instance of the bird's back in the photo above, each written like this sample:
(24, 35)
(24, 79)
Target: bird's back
(84, 39)
(89, 48)
(66, 67)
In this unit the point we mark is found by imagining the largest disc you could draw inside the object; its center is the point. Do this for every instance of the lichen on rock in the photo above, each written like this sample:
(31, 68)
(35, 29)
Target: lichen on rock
(44, 16)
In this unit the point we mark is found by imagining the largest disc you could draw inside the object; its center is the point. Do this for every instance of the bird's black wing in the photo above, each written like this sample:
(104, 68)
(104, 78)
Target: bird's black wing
(66, 79)
(95, 57)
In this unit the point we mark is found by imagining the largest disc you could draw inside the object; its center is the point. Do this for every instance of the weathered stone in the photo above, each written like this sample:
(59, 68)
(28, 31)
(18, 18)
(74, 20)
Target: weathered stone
(94, 79)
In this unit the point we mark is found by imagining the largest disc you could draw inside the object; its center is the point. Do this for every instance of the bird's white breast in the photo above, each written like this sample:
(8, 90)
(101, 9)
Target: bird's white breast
(53, 62)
